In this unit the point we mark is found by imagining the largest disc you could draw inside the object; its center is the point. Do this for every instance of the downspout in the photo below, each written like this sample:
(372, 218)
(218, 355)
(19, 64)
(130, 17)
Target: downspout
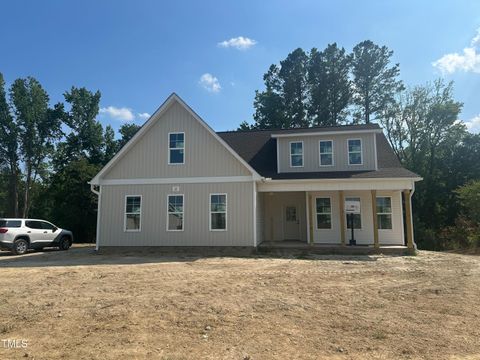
(99, 195)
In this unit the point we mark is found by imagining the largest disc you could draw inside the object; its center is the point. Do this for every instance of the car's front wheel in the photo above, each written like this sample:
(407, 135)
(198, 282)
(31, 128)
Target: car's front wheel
(20, 246)
(64, 243)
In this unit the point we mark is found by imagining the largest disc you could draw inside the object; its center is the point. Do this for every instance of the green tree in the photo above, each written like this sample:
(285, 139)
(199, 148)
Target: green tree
(329, 85)
(374, 82)
(268, 104)
(111, 145)
(86, 136)
(283, 103)
(74, 204)
(127, 131)
(9, 153)
(293, 76)
(469, 196)
(39, 127)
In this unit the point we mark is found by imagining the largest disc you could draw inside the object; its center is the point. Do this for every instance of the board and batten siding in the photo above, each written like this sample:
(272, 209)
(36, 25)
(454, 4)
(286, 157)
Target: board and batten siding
(364, 236)
(196, 215)
(205, 156)
(311, 152)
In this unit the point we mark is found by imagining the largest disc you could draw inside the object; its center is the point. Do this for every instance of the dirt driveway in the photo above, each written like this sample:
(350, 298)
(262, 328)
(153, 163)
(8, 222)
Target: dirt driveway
(81, 305)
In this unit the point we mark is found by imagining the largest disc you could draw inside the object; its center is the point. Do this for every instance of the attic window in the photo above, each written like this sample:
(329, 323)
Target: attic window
(296, 154)
(176, 148)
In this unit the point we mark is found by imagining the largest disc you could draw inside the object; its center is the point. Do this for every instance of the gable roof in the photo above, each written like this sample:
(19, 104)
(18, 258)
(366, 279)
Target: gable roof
(259, 149)
(151, 121)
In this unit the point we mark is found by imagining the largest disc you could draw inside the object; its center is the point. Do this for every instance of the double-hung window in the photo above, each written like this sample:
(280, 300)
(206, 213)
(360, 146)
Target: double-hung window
(355, 152)
(326, 152)
(133, 212)
(296, 154)
(384, 212)
(324, 213)
(357, 216)
(218, 212)
(176, 148)
(175, 213)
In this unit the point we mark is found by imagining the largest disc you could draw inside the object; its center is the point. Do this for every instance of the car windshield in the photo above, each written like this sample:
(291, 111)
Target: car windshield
(10, 223)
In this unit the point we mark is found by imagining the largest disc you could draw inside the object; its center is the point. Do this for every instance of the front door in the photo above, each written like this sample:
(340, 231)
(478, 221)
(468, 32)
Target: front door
(292, 223)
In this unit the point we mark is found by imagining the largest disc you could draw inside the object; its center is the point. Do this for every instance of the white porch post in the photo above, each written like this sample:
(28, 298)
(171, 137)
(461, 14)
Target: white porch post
(375, 222)
(342, 217)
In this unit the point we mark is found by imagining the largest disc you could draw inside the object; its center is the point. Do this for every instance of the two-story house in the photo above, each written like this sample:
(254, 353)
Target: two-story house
(179, 183)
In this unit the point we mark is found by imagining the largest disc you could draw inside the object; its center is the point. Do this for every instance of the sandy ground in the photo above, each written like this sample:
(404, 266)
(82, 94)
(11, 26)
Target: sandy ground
(81, 305)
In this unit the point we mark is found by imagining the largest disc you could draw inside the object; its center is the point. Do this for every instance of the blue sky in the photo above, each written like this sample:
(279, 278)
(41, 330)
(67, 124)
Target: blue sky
(138, 52)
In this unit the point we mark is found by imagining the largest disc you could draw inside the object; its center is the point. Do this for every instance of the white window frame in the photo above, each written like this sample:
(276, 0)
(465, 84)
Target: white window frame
(330, 213)
(125, 214)
(176, 212)
(169, 148)
(390, 213)
(354, 152)
(210, 212)
(320, 154)
(361, 216)
(303, 153)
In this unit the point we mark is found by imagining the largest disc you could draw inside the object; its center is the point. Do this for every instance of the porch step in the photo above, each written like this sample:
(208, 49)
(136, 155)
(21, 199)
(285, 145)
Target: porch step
(301, 248)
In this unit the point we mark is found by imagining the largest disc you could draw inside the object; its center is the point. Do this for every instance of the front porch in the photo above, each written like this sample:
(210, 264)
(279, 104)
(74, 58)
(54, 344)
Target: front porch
(316, 220)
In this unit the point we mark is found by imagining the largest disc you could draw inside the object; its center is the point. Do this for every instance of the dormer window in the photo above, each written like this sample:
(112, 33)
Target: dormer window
(176, 148)
(296, 154)
(355, 152)
(326, 152)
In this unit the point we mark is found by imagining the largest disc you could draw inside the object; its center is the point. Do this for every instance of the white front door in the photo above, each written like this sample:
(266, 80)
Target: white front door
(292, 223)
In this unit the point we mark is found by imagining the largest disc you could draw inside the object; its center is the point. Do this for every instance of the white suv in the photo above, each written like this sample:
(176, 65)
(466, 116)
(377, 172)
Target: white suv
(19, 235)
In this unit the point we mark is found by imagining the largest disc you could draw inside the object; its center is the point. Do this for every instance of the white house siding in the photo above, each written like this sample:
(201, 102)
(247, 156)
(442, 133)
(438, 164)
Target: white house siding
(311, 153)
(275, 204)
(196, 215)
(364, 235)
(204, 155)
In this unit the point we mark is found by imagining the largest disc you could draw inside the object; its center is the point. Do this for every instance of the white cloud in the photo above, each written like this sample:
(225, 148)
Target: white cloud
(476, 40)
(473, 125)
(468, 61)
(122, 114)
(210, 83)
(143, 115)
(240, 43)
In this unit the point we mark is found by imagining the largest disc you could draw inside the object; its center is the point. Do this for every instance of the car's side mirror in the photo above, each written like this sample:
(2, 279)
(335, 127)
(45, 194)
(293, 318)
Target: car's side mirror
(54, 229)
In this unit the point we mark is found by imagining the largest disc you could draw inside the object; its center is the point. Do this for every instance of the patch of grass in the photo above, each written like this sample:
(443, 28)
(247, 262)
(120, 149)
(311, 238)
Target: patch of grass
(379, 335)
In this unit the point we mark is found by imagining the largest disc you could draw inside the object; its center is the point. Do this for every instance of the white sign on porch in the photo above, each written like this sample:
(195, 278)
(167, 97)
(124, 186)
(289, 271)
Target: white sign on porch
(352, 206)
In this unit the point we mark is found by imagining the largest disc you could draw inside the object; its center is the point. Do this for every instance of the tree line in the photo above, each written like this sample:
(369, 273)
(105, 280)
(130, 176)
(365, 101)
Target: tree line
(49, 153)
(333, 87)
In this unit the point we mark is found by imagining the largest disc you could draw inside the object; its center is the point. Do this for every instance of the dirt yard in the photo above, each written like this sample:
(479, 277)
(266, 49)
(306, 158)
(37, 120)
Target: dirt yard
(82, 305)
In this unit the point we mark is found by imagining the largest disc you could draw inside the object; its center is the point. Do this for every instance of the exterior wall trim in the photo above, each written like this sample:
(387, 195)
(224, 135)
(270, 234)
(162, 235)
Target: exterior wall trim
(336, 184)
(326, 132)
(184, 180)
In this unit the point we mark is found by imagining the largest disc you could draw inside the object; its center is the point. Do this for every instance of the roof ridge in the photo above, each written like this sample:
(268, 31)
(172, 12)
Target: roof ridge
(371, 125)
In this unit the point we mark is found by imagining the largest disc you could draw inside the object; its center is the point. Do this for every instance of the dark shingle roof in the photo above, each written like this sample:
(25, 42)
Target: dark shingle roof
(259, 149)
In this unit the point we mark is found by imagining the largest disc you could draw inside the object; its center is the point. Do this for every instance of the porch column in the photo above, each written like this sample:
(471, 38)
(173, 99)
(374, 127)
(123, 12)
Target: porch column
(342, 217)
(310, 218)
(408, 215)
(375, 222)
